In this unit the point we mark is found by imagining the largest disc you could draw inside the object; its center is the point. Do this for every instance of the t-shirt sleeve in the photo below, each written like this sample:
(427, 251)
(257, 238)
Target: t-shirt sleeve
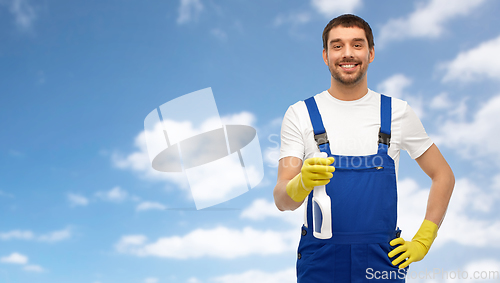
(414, 139)
(292, 143)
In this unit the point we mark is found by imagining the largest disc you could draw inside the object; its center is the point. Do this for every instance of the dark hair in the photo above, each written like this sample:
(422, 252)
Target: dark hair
(348, 21)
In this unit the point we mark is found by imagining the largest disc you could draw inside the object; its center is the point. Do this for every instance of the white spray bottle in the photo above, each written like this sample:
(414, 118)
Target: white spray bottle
(321, 208)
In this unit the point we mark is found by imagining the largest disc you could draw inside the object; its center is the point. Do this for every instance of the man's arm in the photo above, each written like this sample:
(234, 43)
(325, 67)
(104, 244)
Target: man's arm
(288, 168)
(296, 179)
(443, 181)
(435, 166)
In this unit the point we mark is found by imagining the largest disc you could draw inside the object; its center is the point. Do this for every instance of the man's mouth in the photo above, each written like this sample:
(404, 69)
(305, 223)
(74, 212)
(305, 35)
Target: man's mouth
(348, 66)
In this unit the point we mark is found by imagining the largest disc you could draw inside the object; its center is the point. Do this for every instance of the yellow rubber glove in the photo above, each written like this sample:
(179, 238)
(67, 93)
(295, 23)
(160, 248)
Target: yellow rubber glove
(315, 171)
(418, 247)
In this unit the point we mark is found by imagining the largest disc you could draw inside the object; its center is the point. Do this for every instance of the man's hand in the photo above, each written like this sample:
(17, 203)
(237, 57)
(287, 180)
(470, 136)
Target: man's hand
(315, 171)
(417, 248)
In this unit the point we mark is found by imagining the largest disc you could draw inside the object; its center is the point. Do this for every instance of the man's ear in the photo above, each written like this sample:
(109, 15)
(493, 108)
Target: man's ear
(372, 54)
(325, 57)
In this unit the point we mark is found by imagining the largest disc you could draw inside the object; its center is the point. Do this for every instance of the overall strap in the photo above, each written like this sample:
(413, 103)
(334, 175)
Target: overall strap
(384, 136)
(317, 123)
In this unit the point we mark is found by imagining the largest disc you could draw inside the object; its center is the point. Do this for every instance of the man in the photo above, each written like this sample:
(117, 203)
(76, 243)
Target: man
(349, 232)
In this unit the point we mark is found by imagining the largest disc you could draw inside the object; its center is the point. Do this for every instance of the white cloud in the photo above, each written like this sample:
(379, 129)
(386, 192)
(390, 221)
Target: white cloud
(151, 280)
(77, 200)
(441, 101)
(181, 130)
(427, 21)
(193, 280)
(496, 182)
(56, 236)
(210, 185)
(23, 12)
(476, 138)
(17, 234)
(116, 194)
(327, 8)
(219, 242)
(242, 118)
(396, 86)
(139, 161)
(261, 209)
(448, 107)
(460, 110)
(485, 271)
(15, 258)
(147, 205)
(198, 155)
(251, 276)
(476, 64)
(459, 225)
(189, 10)
(412, 202)
(333, 8)
(34, 268)
(130, 241)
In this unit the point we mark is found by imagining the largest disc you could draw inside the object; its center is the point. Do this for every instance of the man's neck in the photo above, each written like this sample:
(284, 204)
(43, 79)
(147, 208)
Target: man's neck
(348, 93)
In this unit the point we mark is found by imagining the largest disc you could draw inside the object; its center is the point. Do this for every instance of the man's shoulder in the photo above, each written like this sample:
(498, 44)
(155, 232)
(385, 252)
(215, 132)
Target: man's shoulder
(298, 111)
(396, 102)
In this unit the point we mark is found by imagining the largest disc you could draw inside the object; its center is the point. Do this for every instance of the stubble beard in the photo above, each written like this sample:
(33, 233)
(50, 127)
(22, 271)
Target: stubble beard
(348, 80)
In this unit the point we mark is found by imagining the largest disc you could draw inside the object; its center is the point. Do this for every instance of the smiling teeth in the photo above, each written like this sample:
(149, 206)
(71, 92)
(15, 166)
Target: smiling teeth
(348, 66)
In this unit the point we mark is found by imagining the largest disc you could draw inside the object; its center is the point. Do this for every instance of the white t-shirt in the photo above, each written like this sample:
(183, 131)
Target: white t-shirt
(352, 128)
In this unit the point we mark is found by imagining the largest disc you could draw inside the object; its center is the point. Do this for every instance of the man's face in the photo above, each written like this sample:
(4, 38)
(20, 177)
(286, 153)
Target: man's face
(348, 54)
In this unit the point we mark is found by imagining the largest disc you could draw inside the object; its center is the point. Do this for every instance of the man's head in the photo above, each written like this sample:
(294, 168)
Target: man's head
(348, 21)
(348, 49)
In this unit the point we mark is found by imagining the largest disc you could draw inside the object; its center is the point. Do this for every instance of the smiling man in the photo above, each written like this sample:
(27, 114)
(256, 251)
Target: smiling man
(340, 154)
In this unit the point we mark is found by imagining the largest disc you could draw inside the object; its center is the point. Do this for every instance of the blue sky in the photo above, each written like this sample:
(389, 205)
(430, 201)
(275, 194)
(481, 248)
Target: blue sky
(78, 202)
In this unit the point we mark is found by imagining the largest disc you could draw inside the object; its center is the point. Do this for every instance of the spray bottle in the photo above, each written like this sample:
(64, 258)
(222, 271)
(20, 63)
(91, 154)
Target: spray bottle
(322, 212)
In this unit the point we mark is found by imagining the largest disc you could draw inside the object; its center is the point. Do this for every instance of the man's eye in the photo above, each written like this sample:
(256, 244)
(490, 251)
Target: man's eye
(357, 45)
(336, 46)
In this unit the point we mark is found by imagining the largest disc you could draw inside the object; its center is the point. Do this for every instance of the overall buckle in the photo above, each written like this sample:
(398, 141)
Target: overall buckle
(384, 138)
(321, 139)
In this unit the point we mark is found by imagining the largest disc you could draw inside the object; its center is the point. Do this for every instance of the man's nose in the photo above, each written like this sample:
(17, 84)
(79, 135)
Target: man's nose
(348, 52)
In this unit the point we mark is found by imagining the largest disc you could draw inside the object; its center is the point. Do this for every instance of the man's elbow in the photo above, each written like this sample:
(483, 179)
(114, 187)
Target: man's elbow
(280, 208)
(446, 176)
(277, 202)
(452, 180)
(283, 205)
(450, 177)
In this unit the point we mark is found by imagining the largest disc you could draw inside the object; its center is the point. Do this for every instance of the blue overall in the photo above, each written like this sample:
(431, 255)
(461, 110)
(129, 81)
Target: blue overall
(363, 214)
